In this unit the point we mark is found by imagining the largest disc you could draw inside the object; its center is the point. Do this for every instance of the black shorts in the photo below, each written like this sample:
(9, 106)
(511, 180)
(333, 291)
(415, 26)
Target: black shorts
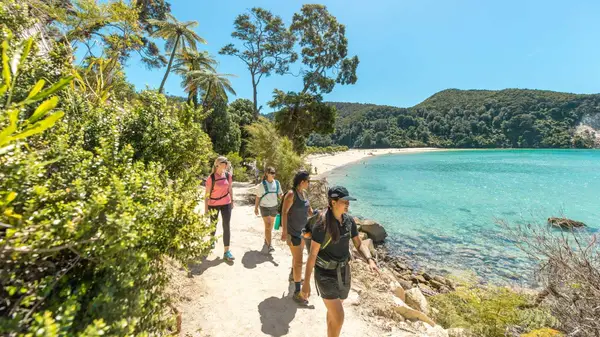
(295, 240)
(328, 285)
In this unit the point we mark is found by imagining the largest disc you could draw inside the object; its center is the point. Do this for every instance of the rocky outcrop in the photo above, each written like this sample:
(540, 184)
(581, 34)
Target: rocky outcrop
(565, 223)
(317, 193)
(409, 278)
(416, 300)
(374, 230)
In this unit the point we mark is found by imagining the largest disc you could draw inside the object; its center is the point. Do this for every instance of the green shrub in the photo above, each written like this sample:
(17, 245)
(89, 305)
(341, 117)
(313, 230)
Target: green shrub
(240, 172)
(85, 220)
(489, 311)
(325, 150)
(270, 149)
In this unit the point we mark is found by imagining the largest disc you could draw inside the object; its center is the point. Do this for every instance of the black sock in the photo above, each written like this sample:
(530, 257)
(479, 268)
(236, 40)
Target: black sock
(298, 286)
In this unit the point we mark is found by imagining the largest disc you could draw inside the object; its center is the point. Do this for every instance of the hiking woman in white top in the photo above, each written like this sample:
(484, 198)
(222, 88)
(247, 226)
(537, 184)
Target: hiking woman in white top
(268, 193)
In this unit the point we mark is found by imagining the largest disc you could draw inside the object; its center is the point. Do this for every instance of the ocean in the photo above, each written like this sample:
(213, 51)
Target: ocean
(441, 208)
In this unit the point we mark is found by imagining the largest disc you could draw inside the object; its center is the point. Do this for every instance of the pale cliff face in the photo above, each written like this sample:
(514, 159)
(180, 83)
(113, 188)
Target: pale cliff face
(590, 122)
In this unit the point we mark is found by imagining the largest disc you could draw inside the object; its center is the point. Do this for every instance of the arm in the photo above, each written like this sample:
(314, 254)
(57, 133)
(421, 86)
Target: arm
(288, 200)
(310, 265)
(365, 252)
(256, 205)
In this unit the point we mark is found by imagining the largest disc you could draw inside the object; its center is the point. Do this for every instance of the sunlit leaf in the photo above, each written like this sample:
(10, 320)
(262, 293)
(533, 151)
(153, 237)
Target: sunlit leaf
(10, 129)
(54, 88)
(40, 126)
(5, 68)
(43, 109)
(36, 89)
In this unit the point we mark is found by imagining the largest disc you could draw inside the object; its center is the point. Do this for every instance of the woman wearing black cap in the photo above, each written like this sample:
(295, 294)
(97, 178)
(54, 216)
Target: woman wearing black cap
(329, 256)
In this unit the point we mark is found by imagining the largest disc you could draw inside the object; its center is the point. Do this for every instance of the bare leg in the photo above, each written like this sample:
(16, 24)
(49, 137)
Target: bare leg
(335, 317)
(297, 261)
(268, 220)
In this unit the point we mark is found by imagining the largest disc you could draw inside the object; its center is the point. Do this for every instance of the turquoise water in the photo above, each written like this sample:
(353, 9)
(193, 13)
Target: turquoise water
(440, 207)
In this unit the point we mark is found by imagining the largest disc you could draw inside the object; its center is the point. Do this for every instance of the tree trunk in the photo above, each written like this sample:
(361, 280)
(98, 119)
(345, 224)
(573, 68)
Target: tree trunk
(164, 80)
(255, 97)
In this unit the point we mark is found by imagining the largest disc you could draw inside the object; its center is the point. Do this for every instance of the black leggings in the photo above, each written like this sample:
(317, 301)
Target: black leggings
(226, 217)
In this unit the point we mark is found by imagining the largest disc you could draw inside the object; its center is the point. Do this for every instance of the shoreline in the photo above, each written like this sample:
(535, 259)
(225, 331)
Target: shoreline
(325, 163)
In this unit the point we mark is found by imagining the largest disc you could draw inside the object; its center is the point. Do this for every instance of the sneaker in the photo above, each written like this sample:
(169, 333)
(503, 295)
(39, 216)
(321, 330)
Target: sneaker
(228, 256)
(299, 299)
(271, 249)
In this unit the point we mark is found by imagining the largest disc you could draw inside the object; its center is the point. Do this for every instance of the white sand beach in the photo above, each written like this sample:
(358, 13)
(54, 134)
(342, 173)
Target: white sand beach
(327, 162)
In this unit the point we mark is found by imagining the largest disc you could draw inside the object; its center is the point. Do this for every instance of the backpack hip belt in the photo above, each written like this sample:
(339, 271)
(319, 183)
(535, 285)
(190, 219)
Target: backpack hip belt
(337, 266)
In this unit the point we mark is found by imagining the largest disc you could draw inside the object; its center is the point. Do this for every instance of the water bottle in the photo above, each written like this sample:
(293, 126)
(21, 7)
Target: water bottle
(277, 221)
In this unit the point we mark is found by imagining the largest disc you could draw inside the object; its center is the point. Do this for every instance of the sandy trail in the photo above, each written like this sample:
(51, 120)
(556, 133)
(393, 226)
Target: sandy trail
(252, 296)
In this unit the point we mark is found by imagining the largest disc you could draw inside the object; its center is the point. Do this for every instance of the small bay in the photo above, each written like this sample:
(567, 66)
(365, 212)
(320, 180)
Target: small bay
(441, 208)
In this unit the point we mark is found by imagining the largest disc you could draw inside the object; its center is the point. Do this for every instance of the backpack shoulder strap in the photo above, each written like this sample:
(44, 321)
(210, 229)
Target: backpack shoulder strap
(277, 184)
(212, 184)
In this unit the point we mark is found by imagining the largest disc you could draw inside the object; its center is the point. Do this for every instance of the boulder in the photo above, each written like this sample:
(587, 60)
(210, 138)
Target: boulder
(369, 244)
(565, 223)
(418, 279)
(440, 279)
(409, 313)
(427, 276)
(405, 284)
(363, 236)
(426, 290)
(416, 300)
(437, 284)
(375, 231)
(400, 266)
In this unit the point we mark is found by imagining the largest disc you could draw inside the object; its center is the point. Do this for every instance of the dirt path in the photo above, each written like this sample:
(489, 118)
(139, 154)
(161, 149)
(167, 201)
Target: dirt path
(252, 297)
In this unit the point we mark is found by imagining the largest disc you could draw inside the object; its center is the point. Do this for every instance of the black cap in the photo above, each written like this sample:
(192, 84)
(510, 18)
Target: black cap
(339, 192)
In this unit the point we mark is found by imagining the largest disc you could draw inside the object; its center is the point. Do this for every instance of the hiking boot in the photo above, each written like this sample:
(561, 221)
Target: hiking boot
(298, 298)
(228, 256)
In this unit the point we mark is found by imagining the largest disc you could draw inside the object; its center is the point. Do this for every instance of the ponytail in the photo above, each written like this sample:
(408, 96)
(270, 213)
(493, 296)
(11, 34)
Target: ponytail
(329, 223)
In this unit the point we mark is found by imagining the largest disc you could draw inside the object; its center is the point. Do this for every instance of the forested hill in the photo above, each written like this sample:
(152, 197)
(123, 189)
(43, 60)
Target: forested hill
(511, 118)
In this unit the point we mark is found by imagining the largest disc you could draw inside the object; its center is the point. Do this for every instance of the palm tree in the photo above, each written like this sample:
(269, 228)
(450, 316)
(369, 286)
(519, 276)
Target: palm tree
(214, 85)
(188, 61)
(178, 35)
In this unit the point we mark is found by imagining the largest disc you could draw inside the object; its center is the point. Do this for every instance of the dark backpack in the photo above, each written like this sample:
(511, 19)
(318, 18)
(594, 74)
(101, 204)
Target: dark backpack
(212, 185)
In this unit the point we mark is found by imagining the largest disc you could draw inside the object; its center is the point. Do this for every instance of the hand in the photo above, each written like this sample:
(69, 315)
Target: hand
(206, 210)
(232, 204)
(306, 290)
(256, 211)
(373, 266)
(283, 235)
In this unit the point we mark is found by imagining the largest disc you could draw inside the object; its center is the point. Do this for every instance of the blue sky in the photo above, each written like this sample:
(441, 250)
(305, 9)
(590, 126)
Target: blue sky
(409, 50)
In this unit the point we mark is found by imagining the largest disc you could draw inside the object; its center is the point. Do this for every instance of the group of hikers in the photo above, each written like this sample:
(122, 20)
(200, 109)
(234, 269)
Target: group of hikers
(326, 234)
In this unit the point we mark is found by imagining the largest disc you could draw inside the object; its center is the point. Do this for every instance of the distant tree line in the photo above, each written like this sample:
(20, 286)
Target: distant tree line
(512, 118)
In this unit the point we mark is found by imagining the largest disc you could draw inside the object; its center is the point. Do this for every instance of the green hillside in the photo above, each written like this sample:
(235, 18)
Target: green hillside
(511, 118)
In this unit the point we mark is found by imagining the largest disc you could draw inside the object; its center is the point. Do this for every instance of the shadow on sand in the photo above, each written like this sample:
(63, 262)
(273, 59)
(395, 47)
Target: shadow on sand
(276, 314)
